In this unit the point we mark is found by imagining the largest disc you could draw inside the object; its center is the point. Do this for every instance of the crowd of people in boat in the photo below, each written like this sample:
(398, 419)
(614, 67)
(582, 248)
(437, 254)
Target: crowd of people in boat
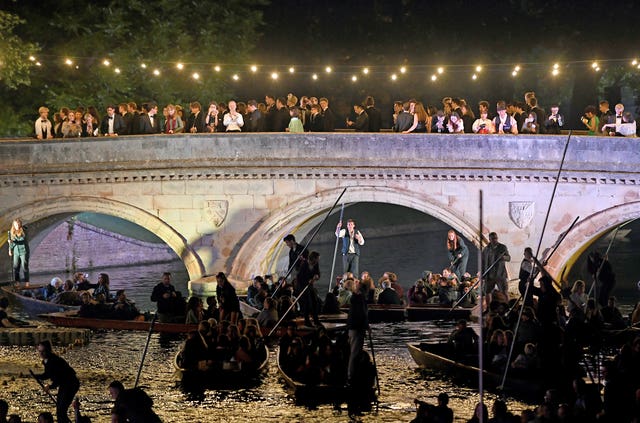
(312, 114)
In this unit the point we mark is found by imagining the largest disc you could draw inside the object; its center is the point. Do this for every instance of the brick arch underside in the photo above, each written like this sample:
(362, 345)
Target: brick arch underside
(588, 230)
(46, 209)
(263, 245)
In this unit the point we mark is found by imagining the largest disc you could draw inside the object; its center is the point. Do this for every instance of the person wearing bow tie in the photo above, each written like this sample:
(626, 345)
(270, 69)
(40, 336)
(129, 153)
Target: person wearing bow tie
(43, 127)
(112, 124)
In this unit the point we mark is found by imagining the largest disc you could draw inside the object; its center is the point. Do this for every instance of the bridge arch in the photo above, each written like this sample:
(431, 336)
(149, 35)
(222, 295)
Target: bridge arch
(588, 231)
(65, 206)
(261, 246)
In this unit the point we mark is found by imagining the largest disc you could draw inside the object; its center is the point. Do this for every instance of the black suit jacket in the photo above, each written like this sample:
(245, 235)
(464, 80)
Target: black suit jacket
(362, 122)
(119, 127)
(375, 119)
(145, 124)
(329, 120)
(254, 122)
(281, 119)
(315, 123)
(197, 121)
(403, 122)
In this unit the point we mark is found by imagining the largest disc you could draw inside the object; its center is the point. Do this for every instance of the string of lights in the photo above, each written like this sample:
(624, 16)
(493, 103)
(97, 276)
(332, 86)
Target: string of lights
(236, 71)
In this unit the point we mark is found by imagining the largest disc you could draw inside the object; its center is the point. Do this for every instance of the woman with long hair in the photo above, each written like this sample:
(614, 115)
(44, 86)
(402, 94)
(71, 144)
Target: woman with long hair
(458, 253)
(19, 250)
(419, 120)
(229, 303)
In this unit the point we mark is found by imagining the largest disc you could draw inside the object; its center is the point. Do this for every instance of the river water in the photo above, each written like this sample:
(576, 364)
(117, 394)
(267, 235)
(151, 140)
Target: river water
(116, 355)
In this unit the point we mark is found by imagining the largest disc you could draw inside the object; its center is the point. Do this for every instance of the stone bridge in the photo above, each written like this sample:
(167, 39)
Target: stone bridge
(223, 202)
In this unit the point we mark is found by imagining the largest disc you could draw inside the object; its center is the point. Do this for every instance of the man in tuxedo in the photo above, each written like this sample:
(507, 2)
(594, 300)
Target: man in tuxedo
(404, 120)
(327, 115)
(43, 126)
(282, 117)
(254, 122)
(270, 114)
(126, 118)
(149, 120)
(361, 123)
(195, 123)
(374, 115)
(605, 114)
(112, 124)
(315, 122)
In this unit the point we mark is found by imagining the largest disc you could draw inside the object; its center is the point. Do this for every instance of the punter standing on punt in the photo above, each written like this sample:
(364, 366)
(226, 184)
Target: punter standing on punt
(19, 250)
(458, 254)
(352, 239)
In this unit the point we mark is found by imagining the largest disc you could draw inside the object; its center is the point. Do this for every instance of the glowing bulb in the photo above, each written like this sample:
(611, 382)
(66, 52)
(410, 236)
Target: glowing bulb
(117, 70)
(180, 66)
(106, 62)
(354, 78)
(254, 68)
(514, 73)
(517, 68)
(594, 65)
(38, 64)
(143, 65)
(434, 77)
(216, 68)
(328, 69)
(274, 75)
(556, 66)
(440, 70)
(635, 62)
(365, 71)
(292, 69)
(555, 72)
(474, 76)
(639, 66)
(33, 59)
(403, 69)
(235, 77)
(69, 62)
(156, 72)
(598, 69)
(314, 76)
(478, 68)
(195, 76)
(78, 67)
(394, 77)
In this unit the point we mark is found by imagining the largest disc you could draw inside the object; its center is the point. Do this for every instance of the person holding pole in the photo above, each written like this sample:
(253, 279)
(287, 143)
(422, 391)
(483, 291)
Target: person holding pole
(458, 254)
(62, 377)
(295, 250)
(308, 298)
(494, 257)
(352, 240)
(19, 250)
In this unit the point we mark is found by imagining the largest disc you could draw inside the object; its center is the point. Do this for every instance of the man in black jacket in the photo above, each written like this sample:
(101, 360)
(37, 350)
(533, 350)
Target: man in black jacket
(62, 377)
(357, 323)
(374, 115)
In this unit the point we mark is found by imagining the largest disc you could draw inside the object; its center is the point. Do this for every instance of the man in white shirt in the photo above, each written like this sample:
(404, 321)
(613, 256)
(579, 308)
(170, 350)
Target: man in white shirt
(352, 239)
(43, 125)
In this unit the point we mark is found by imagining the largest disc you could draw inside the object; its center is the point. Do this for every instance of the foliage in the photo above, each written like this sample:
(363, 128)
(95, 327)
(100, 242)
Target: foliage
(14, 53)
(129, 33)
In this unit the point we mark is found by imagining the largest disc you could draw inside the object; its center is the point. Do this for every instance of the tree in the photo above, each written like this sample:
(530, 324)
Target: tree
(14, 53)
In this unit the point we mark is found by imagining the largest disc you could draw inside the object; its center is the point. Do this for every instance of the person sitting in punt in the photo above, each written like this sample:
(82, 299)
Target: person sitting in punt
(194, 354)
(102, 288)
(527, 362)
(365, 278)
(123, 309)
(463, 340)
(52, 289)
(88, 306)
(345, 291)
(268, 317)
(195, 313)
(253, 292)
(612, 316)
(68, 296)
(212, 311)
(81, 283)
(245, 354)
(4, 317)
(295, 358)
(388, 296)
(330, 304)
(418, 294)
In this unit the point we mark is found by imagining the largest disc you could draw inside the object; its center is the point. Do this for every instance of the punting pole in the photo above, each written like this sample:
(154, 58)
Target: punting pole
(530, 281)
(375, 366)
(53, 399)
(146, 347)
(335, 251)
(293, 303)
(309, 241)
(480, 299)
(476, 283)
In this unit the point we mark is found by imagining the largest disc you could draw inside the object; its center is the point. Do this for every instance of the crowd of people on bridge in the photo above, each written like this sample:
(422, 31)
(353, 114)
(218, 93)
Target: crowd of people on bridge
(312, 114)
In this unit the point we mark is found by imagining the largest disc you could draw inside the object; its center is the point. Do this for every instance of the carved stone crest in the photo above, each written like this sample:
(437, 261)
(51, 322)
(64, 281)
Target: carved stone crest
(521, 213)
(216, 211)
